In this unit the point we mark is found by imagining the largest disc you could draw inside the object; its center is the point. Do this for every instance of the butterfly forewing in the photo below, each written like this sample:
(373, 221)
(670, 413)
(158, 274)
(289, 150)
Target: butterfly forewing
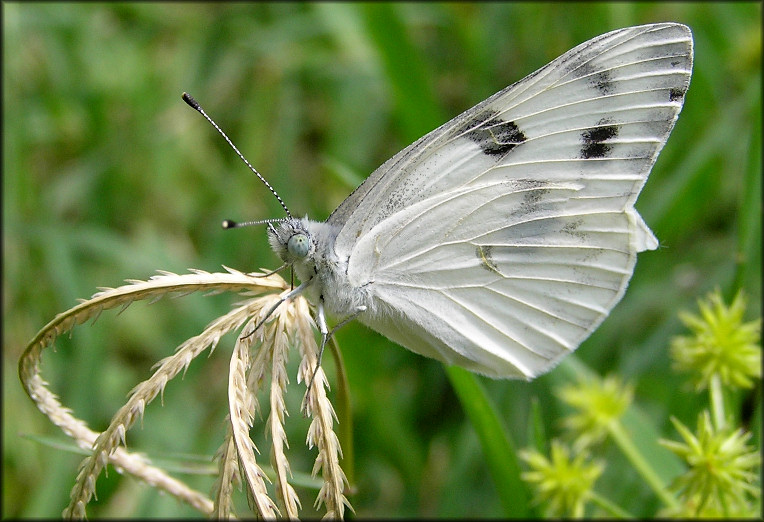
(576, 92)
(500, 240)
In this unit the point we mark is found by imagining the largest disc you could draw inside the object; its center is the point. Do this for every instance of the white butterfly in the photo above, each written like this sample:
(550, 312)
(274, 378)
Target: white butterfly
(502, 239)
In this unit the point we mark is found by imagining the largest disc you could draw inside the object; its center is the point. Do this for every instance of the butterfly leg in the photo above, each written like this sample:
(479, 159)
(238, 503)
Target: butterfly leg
(321, 323)
(297, 291)
(279, 269)
(326, 334)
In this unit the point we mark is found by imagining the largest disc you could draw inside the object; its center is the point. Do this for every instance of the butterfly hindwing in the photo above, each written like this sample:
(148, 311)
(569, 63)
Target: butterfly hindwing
(515, 280)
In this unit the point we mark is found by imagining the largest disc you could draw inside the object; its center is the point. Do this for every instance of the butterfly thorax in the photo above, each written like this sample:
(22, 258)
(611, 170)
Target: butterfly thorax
(308, 246)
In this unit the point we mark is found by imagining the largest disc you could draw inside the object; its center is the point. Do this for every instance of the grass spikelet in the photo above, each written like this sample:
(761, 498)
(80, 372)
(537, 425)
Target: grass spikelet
(279, 380)
(241, 412)
(228, 474)
(320, 433)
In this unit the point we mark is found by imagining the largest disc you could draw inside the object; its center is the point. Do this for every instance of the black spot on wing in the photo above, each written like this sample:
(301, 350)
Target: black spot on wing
(494, 136)
(600, 134)
(676, 95)
(595, 139)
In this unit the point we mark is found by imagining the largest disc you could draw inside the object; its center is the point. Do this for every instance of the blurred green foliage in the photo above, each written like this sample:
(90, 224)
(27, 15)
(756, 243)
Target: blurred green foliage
(108, 175)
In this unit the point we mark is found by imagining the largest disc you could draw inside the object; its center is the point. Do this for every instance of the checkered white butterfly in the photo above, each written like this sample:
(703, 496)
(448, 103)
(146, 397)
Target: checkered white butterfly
(502, 239)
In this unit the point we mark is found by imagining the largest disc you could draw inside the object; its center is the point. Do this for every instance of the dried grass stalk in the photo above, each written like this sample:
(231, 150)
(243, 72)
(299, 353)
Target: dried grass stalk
(49, 404)
(142, 395)
(248, 371)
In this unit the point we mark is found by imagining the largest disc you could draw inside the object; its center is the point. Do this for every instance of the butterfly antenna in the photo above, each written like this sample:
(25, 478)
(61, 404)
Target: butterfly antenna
(195, 105)
(230, 223)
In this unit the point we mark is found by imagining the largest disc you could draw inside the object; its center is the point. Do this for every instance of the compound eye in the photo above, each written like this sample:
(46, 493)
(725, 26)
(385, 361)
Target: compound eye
(298, 245)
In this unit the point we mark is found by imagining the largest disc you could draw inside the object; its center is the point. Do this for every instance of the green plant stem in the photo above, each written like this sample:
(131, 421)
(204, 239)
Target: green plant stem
(717, 402)
(344, 416)
(496, 442)
(628, 448)
(609, 507)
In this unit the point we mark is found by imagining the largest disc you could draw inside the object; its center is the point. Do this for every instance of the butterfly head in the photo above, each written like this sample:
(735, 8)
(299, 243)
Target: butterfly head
(290, 240)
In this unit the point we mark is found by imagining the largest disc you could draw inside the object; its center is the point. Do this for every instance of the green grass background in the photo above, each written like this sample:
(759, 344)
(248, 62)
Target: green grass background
(108, 175)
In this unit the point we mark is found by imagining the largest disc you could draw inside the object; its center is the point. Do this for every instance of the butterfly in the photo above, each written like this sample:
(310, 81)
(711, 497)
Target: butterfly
(500, 240)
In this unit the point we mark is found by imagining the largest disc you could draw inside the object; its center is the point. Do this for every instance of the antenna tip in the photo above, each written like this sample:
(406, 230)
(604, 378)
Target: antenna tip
(229, 223)
(190, 100)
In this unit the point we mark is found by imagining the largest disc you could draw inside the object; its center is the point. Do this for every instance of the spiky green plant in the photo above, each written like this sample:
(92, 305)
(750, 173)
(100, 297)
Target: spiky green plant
(563, 482)
(720, 476)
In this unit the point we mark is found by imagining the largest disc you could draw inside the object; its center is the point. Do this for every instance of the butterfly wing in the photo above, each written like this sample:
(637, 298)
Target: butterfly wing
(503, 238)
